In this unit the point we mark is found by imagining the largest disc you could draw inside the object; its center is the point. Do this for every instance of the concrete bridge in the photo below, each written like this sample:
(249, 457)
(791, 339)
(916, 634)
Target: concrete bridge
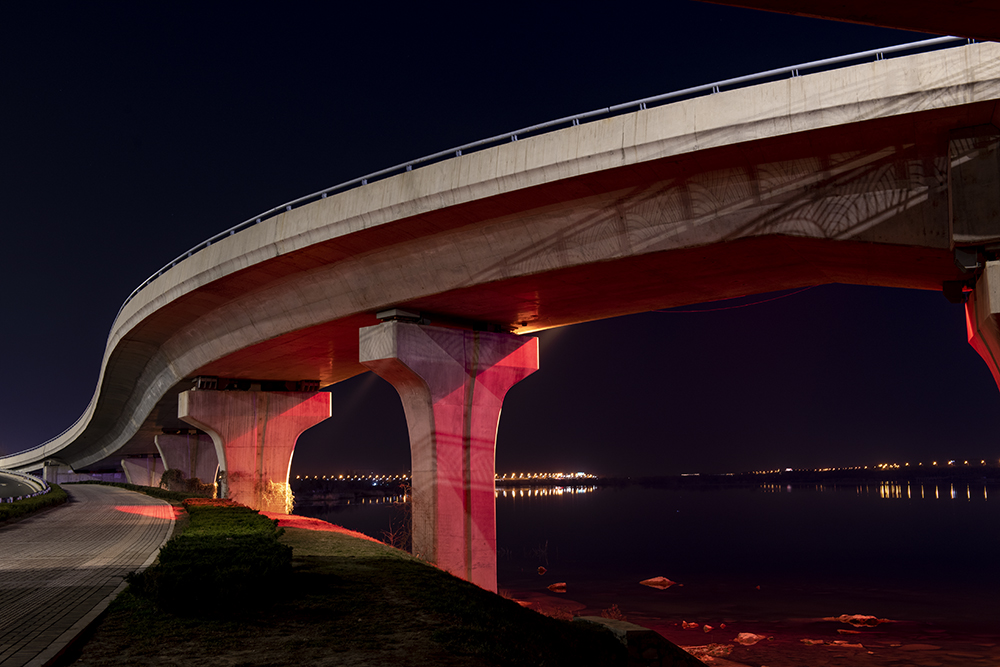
(883, 173)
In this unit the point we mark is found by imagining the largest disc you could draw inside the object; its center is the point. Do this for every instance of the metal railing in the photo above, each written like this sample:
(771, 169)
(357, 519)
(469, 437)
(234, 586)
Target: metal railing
(566, 121)
(637, 105)
(43, 486)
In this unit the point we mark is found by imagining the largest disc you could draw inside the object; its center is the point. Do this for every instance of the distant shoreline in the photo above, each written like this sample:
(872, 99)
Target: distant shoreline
(961, 474)
(334, 490)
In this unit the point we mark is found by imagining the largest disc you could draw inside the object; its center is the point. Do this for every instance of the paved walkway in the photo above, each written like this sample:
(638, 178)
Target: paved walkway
(60, 569)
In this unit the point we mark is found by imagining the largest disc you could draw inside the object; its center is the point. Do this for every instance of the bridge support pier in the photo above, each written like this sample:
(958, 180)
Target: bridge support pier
(452, 383)
(52, 469)
(982, 318)
(254, 434)
(143, 471)
(193, 454)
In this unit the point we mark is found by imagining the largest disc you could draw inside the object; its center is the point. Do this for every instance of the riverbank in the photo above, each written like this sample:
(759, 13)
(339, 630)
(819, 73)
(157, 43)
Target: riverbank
(349, 601)
(719, 634)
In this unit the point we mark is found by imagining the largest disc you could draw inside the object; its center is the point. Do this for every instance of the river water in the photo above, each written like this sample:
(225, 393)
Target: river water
(768, 558)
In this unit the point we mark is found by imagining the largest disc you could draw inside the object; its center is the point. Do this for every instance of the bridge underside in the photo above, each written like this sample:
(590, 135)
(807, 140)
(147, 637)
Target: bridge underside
(868, 204)
(868, 175)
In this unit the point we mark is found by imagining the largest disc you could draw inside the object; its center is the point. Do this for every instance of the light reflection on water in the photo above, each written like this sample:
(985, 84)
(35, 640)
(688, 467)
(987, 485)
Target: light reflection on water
(537, 491)
(364, 500)
(815, 550)
(920, 551)
(523, 492)
(884, 490)
(892, 490)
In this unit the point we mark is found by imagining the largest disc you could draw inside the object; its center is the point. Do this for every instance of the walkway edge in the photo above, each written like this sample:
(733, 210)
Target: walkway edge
(59, 647)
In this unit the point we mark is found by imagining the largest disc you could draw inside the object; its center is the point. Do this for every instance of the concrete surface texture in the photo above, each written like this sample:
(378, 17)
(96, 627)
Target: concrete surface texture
(452, 384)
(59, 569)
(255, 431)
(979, 19)
(192, 453)
(65, 475)
(146, 471)
(839, 176)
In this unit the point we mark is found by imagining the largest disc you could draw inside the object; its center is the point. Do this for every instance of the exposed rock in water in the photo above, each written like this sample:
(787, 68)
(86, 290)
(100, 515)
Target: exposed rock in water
(659, 582)
(858, 620)
(748, 638)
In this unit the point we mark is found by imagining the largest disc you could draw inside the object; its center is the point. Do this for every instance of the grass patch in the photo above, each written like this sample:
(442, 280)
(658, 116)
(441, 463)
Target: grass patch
(347, 601)
(22, 508)
(226, 551)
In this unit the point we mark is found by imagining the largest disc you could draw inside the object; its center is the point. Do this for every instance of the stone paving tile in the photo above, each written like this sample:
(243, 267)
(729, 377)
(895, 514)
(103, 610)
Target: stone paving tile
(60, 568)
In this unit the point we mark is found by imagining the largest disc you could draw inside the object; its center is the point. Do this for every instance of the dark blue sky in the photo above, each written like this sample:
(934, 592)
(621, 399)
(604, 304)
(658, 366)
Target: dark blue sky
(132, 133)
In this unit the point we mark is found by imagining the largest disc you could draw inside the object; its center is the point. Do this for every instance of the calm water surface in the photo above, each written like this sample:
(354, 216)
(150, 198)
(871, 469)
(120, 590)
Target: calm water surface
(927, 554)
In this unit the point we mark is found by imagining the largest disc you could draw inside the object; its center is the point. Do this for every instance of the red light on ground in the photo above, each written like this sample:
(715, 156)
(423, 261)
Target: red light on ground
(165, 512)
(308, 523)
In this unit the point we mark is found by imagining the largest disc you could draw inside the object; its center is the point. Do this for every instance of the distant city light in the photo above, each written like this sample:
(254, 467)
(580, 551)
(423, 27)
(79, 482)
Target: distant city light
(553, 477)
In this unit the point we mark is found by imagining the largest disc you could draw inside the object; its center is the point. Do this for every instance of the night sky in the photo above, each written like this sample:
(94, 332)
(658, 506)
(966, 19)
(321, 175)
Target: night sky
(130, 134)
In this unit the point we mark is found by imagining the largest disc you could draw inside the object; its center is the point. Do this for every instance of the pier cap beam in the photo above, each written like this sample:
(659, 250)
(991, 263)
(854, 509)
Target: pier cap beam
(452, 383)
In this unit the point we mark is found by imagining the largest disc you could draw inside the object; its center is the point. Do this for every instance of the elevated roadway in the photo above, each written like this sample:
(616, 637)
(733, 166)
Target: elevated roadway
(871, 174)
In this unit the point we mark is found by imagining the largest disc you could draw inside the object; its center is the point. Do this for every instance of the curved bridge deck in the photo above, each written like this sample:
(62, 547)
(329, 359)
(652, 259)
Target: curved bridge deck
(869, 174)
(61, 568)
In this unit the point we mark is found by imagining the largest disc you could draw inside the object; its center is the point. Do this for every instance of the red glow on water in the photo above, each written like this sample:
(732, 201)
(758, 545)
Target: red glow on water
(165, 512)
(308, 523)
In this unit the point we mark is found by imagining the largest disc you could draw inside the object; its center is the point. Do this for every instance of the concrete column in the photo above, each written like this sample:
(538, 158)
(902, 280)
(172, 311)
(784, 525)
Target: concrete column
(254, 434)
(982, 311)
(452, 383)
(52, 470)
(193, 454)
(145, 471)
